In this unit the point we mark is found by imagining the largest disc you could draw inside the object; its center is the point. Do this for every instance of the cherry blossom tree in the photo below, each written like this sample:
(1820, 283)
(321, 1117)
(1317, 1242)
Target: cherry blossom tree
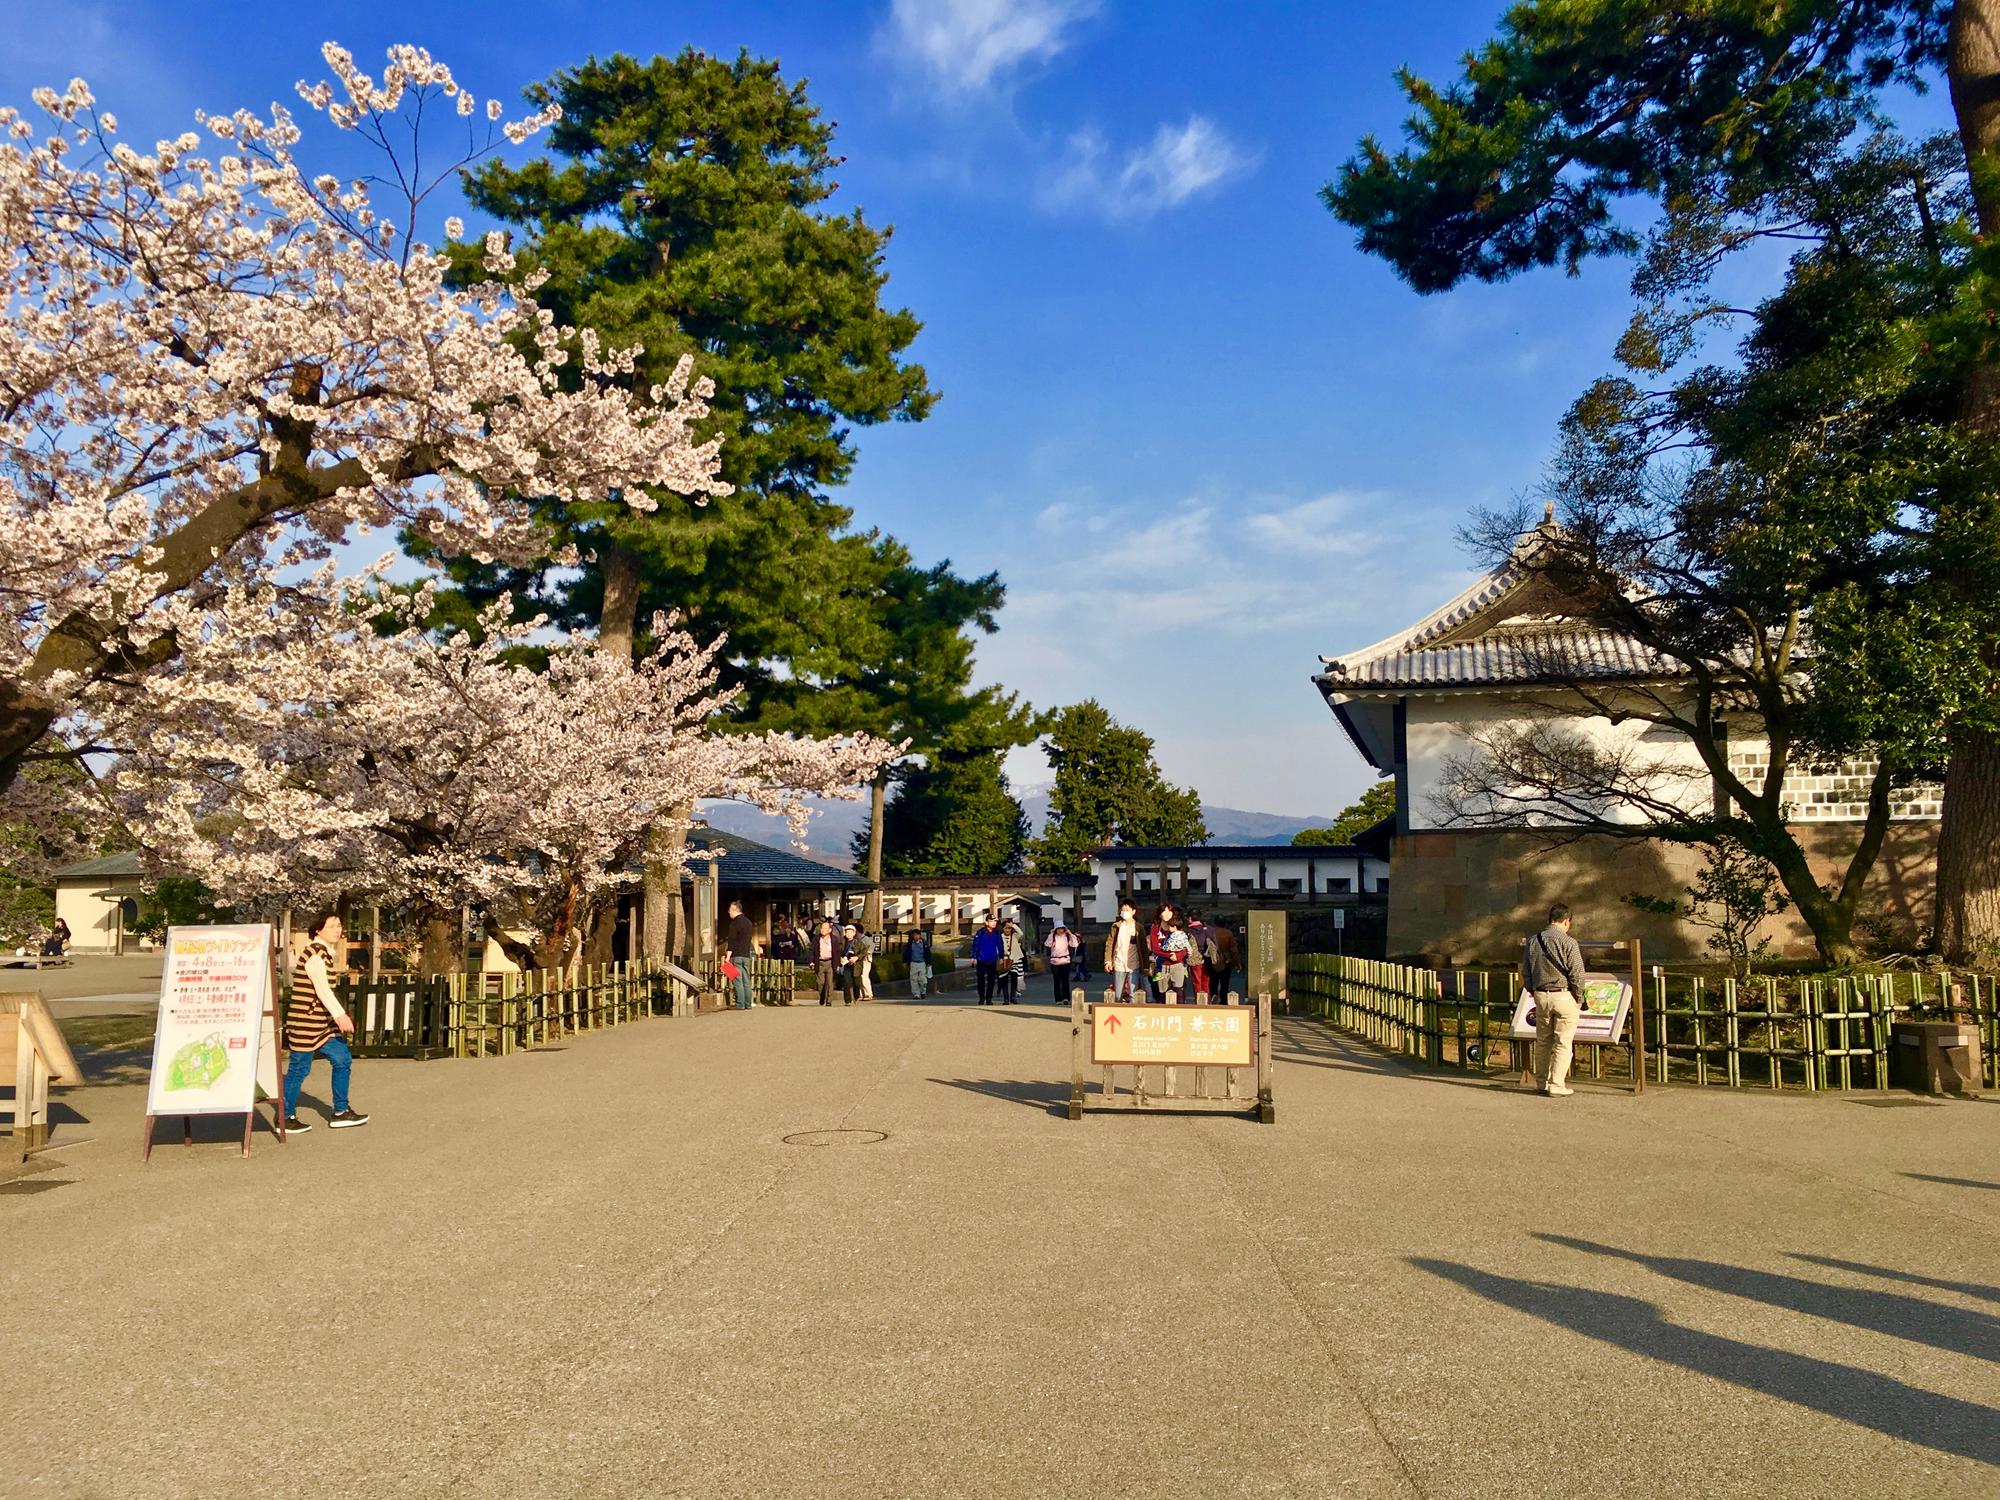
(215, 365)
(343, 749)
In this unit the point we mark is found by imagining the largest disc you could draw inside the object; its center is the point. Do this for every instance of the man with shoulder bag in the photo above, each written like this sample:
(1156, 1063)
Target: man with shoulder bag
(1552, 973)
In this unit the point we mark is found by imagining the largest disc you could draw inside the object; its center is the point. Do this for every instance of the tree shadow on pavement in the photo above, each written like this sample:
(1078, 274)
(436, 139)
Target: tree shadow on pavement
(1971, 1182)
(1943, 1424)
(1041, 1094)
(1963, 1288)
(1954, 1330)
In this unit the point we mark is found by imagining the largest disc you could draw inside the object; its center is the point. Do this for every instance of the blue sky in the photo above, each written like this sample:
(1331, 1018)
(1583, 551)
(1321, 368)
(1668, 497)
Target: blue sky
(1201, 437)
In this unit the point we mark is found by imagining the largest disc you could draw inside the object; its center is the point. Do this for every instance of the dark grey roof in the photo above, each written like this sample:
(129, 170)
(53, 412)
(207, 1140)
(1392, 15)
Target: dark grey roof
(1553, 654)
(978, 883)
(125, 862)
(1194, 854)
(749, 865)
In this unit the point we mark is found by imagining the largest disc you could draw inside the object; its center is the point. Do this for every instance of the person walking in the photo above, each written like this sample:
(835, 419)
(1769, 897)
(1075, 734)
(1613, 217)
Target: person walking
(1552, 972)
(1175, 962)
(784, 941)
(316, 1024)
(1124, 952)
(1198, 939)
(742, 948)
(1155, 952)
(1221, 962)
(825, 960)
(1013, 964)
(987, 951)
(1061, 944)
(864, 947)
(917, 954)
(850, 950)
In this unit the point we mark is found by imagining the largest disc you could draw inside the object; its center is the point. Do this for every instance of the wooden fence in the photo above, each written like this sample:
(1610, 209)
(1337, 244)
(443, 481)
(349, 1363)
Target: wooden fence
(1779, 1032)
(492, 1015)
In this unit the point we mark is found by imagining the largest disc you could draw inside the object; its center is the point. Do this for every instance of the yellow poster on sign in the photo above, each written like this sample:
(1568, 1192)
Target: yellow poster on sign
(1193, 1035)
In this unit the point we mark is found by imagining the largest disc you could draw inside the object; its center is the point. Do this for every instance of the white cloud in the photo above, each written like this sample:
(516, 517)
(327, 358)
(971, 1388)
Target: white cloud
(974, 45)
(1201, 620)
(1175, 165)
(1326, 526)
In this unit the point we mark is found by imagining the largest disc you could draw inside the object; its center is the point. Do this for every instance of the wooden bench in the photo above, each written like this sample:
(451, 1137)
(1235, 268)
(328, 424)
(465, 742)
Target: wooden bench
(34, 1054)
(32, 961)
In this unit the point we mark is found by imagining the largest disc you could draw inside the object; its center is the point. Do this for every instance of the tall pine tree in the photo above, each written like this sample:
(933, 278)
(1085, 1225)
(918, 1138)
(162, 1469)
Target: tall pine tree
(1108, 789)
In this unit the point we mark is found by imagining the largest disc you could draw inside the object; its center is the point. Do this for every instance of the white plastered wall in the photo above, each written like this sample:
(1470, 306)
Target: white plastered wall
(1450, 724)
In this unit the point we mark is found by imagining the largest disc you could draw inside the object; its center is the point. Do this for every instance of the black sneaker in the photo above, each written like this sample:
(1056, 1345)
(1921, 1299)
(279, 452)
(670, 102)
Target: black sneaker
(294, 1123)
(346, 1118)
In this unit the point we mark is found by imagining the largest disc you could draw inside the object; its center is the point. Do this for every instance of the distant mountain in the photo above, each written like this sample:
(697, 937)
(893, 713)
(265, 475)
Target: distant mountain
(830, 835)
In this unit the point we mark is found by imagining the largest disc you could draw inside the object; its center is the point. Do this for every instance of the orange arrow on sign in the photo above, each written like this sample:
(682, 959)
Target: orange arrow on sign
(1111, 1024)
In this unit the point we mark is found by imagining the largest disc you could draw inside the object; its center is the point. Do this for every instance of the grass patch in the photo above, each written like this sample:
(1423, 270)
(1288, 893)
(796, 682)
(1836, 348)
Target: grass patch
(108, 1033)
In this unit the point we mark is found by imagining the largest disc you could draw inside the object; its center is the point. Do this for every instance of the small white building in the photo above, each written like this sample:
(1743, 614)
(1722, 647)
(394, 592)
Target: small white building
(1260, 874)
(100, 899)
(1428, 698)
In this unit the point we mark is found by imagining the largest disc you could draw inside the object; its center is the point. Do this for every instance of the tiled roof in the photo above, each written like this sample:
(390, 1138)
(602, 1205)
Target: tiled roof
(1196, 853)
(747, 864)
(1556, 652)
(1525, 641)
(125, 862)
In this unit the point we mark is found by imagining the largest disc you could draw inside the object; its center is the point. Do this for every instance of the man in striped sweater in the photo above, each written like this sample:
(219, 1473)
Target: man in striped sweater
(316, 1024)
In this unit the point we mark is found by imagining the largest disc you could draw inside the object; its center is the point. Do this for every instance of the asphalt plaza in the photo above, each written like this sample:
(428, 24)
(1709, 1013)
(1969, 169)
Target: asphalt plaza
(860, 1252)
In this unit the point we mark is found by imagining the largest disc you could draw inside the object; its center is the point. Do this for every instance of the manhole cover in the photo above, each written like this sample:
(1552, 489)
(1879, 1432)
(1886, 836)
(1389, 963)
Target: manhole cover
(836, 1137)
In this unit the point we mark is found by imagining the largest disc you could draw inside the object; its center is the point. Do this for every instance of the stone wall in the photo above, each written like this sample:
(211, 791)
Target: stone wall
(1469, 897)
(1836, 793)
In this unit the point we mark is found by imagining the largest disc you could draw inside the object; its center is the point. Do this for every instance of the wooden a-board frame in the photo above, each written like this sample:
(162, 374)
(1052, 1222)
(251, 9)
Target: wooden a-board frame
(276, 1101)
(1169, 1100)
(1636, 1019)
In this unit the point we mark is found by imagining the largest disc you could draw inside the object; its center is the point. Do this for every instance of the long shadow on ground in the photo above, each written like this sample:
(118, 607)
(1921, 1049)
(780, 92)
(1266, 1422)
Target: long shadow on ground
(1952, 1329)
(1037, 1093)
(1963, 1288)
(1943, 1424)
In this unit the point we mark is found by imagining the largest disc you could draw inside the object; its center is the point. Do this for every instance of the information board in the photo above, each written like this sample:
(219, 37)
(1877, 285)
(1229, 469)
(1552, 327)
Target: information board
(1602, 1010)
(215, 1044)
(1265, 958)
(1196, 1035)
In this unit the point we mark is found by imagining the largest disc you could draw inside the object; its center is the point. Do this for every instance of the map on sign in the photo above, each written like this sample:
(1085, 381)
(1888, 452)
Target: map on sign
(1193, 1035)
(214, 1046)
(1602, 1008)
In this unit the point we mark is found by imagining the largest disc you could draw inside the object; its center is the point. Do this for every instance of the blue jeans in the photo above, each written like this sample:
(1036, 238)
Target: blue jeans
(742, 983)
(1125, 984)
(335, 1051)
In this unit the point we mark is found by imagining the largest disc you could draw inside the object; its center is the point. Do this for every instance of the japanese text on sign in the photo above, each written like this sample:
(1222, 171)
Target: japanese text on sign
(1195, 1035)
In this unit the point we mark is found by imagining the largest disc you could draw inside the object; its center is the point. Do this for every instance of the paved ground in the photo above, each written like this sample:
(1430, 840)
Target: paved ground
(600, 1271)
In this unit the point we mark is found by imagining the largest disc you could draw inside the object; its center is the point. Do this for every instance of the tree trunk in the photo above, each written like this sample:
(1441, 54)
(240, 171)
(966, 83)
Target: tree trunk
(666, 931)
(438, 953)
(1968, 868)
(1829, 919)
(878, 796)
(1968, 857)
(25, 718)
(618, 614)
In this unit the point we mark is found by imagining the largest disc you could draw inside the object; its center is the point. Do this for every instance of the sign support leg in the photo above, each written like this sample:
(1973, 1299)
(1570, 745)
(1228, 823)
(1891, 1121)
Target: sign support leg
(146, 1141)
(1079, 1020)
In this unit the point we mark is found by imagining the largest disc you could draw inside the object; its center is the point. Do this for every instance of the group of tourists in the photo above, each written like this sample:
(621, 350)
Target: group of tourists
(841, 955)
(1175, 959)
(1174, 956)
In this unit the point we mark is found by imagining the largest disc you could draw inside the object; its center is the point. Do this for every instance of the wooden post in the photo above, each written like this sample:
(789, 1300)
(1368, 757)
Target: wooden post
(954, 912)
(374, 942)
(1639, 1023)
(1266, 1112)
(1079, 1023)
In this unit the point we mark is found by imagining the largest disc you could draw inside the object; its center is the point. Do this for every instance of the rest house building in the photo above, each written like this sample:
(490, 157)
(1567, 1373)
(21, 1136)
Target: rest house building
(1419, 703)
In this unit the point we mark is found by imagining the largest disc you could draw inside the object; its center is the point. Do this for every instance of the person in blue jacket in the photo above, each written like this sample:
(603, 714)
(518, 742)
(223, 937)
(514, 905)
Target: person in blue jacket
(987, 947)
